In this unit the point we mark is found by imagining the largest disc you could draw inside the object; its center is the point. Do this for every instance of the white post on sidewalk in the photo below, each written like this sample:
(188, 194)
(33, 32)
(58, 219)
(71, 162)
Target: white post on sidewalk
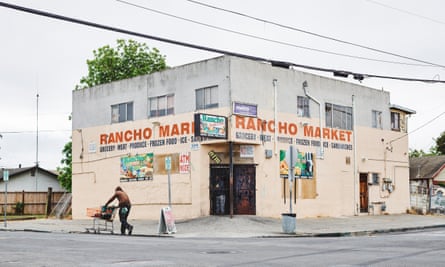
(6, 179)
(168, 166)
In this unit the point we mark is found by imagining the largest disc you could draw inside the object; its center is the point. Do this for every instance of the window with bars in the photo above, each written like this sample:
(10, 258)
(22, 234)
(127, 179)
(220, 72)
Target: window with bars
(375, 178)
(207, 98)
(161, 105)
(122, 112)
(338, 116)
(303, 106)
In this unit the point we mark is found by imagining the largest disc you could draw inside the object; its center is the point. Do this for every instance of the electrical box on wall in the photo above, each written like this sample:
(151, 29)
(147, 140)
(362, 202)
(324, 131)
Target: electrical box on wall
(387, 180)
(268, 153)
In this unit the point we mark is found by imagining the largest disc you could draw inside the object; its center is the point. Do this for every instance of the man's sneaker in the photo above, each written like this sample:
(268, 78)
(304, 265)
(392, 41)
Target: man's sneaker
(130, 229)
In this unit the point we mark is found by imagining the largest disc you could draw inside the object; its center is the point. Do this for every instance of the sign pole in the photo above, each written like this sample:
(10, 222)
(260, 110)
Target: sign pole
(169, 191)
(291, 176)
(5, 179)
(168, 166)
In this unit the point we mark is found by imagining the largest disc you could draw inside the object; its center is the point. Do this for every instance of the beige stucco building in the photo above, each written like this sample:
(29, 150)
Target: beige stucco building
(224, 127)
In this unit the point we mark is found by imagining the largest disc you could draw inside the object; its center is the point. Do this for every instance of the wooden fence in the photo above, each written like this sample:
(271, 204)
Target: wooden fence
(30, 203)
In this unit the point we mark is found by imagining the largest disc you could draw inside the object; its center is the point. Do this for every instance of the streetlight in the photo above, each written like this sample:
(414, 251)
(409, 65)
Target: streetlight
(321, 151)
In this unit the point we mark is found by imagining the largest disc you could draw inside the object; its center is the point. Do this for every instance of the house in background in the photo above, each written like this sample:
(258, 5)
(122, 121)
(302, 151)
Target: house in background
(427, 183)
(31, 179)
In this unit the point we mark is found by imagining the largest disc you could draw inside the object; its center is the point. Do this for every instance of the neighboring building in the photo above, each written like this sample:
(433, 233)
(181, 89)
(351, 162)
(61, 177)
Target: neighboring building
(219, 133)
(31, 179)
(427, 183)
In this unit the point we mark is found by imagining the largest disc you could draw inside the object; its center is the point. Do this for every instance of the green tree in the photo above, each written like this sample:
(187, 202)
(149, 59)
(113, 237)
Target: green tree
(438, 149)
(65, 172)
(440, 144)
(416, 153)
(128, 59)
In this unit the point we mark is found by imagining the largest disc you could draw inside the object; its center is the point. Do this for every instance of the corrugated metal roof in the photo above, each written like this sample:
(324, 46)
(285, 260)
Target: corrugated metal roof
(16, 171)
(426, 167)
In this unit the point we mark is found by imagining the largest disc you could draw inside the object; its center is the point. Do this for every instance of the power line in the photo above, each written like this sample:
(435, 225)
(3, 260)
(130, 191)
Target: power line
(33, 132)
(266, 39)
(358, 76)
(313, 34)
(418, 128)
(407, 12)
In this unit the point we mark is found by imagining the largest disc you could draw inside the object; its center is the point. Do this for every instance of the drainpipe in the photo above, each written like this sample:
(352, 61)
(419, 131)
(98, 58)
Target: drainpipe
(356, 208)
(275, 92)
(321, 154)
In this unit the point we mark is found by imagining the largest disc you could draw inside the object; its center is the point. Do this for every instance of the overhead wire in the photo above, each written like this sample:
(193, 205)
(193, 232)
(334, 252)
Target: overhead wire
(358, 76)
(266, 39)
(313, 33)
(406, 12)
(418, 128)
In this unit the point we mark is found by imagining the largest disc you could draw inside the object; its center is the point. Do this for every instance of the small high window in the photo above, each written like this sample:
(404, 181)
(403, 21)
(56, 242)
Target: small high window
(161, 105)
(395, 121)
(375, 178)
(303, 106)
(207, 98)
(338, 116)
(376, 119)
(122, 112)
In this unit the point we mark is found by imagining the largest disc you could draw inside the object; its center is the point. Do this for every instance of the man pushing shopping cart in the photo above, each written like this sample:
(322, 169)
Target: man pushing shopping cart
(124, 209)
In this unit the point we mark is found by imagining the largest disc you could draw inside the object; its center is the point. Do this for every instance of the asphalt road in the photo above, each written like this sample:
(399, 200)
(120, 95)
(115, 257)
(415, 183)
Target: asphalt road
(22, 248)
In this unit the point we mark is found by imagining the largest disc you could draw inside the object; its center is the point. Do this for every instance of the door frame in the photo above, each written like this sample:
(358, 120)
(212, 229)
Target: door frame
(364, 193)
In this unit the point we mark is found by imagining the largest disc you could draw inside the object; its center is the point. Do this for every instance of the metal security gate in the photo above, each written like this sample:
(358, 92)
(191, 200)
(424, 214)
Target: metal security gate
(219, 189)
(243, 190)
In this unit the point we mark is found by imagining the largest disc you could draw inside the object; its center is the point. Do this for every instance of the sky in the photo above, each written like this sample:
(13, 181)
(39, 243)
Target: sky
(47, 57)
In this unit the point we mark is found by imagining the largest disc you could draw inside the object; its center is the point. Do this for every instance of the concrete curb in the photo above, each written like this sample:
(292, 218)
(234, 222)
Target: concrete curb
(278, 235)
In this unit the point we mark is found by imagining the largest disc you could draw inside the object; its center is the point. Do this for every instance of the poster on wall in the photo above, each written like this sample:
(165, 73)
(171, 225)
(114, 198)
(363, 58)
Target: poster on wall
(184, 162)
(303, 167)
(246, 151)
(137, 168)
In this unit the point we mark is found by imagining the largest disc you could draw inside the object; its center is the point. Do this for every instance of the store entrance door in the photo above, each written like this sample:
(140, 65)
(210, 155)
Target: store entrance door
(219, 189)
(364, 192)
(243, 190)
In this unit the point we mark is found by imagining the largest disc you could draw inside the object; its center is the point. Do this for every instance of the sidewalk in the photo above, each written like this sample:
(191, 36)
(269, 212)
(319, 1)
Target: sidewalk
(243, 226)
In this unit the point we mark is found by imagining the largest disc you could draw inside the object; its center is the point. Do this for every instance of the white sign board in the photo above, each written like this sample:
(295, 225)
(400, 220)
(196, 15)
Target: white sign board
(5, 175)
(168, 163)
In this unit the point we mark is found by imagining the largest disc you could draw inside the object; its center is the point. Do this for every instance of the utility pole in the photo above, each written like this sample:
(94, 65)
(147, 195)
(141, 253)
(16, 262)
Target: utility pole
(37, 143)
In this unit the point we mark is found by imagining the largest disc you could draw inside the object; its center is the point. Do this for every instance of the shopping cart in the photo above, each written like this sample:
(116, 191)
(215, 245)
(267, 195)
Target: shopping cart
(102, 219)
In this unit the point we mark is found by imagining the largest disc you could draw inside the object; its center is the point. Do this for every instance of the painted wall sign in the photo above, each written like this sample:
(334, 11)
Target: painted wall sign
(208, 127)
